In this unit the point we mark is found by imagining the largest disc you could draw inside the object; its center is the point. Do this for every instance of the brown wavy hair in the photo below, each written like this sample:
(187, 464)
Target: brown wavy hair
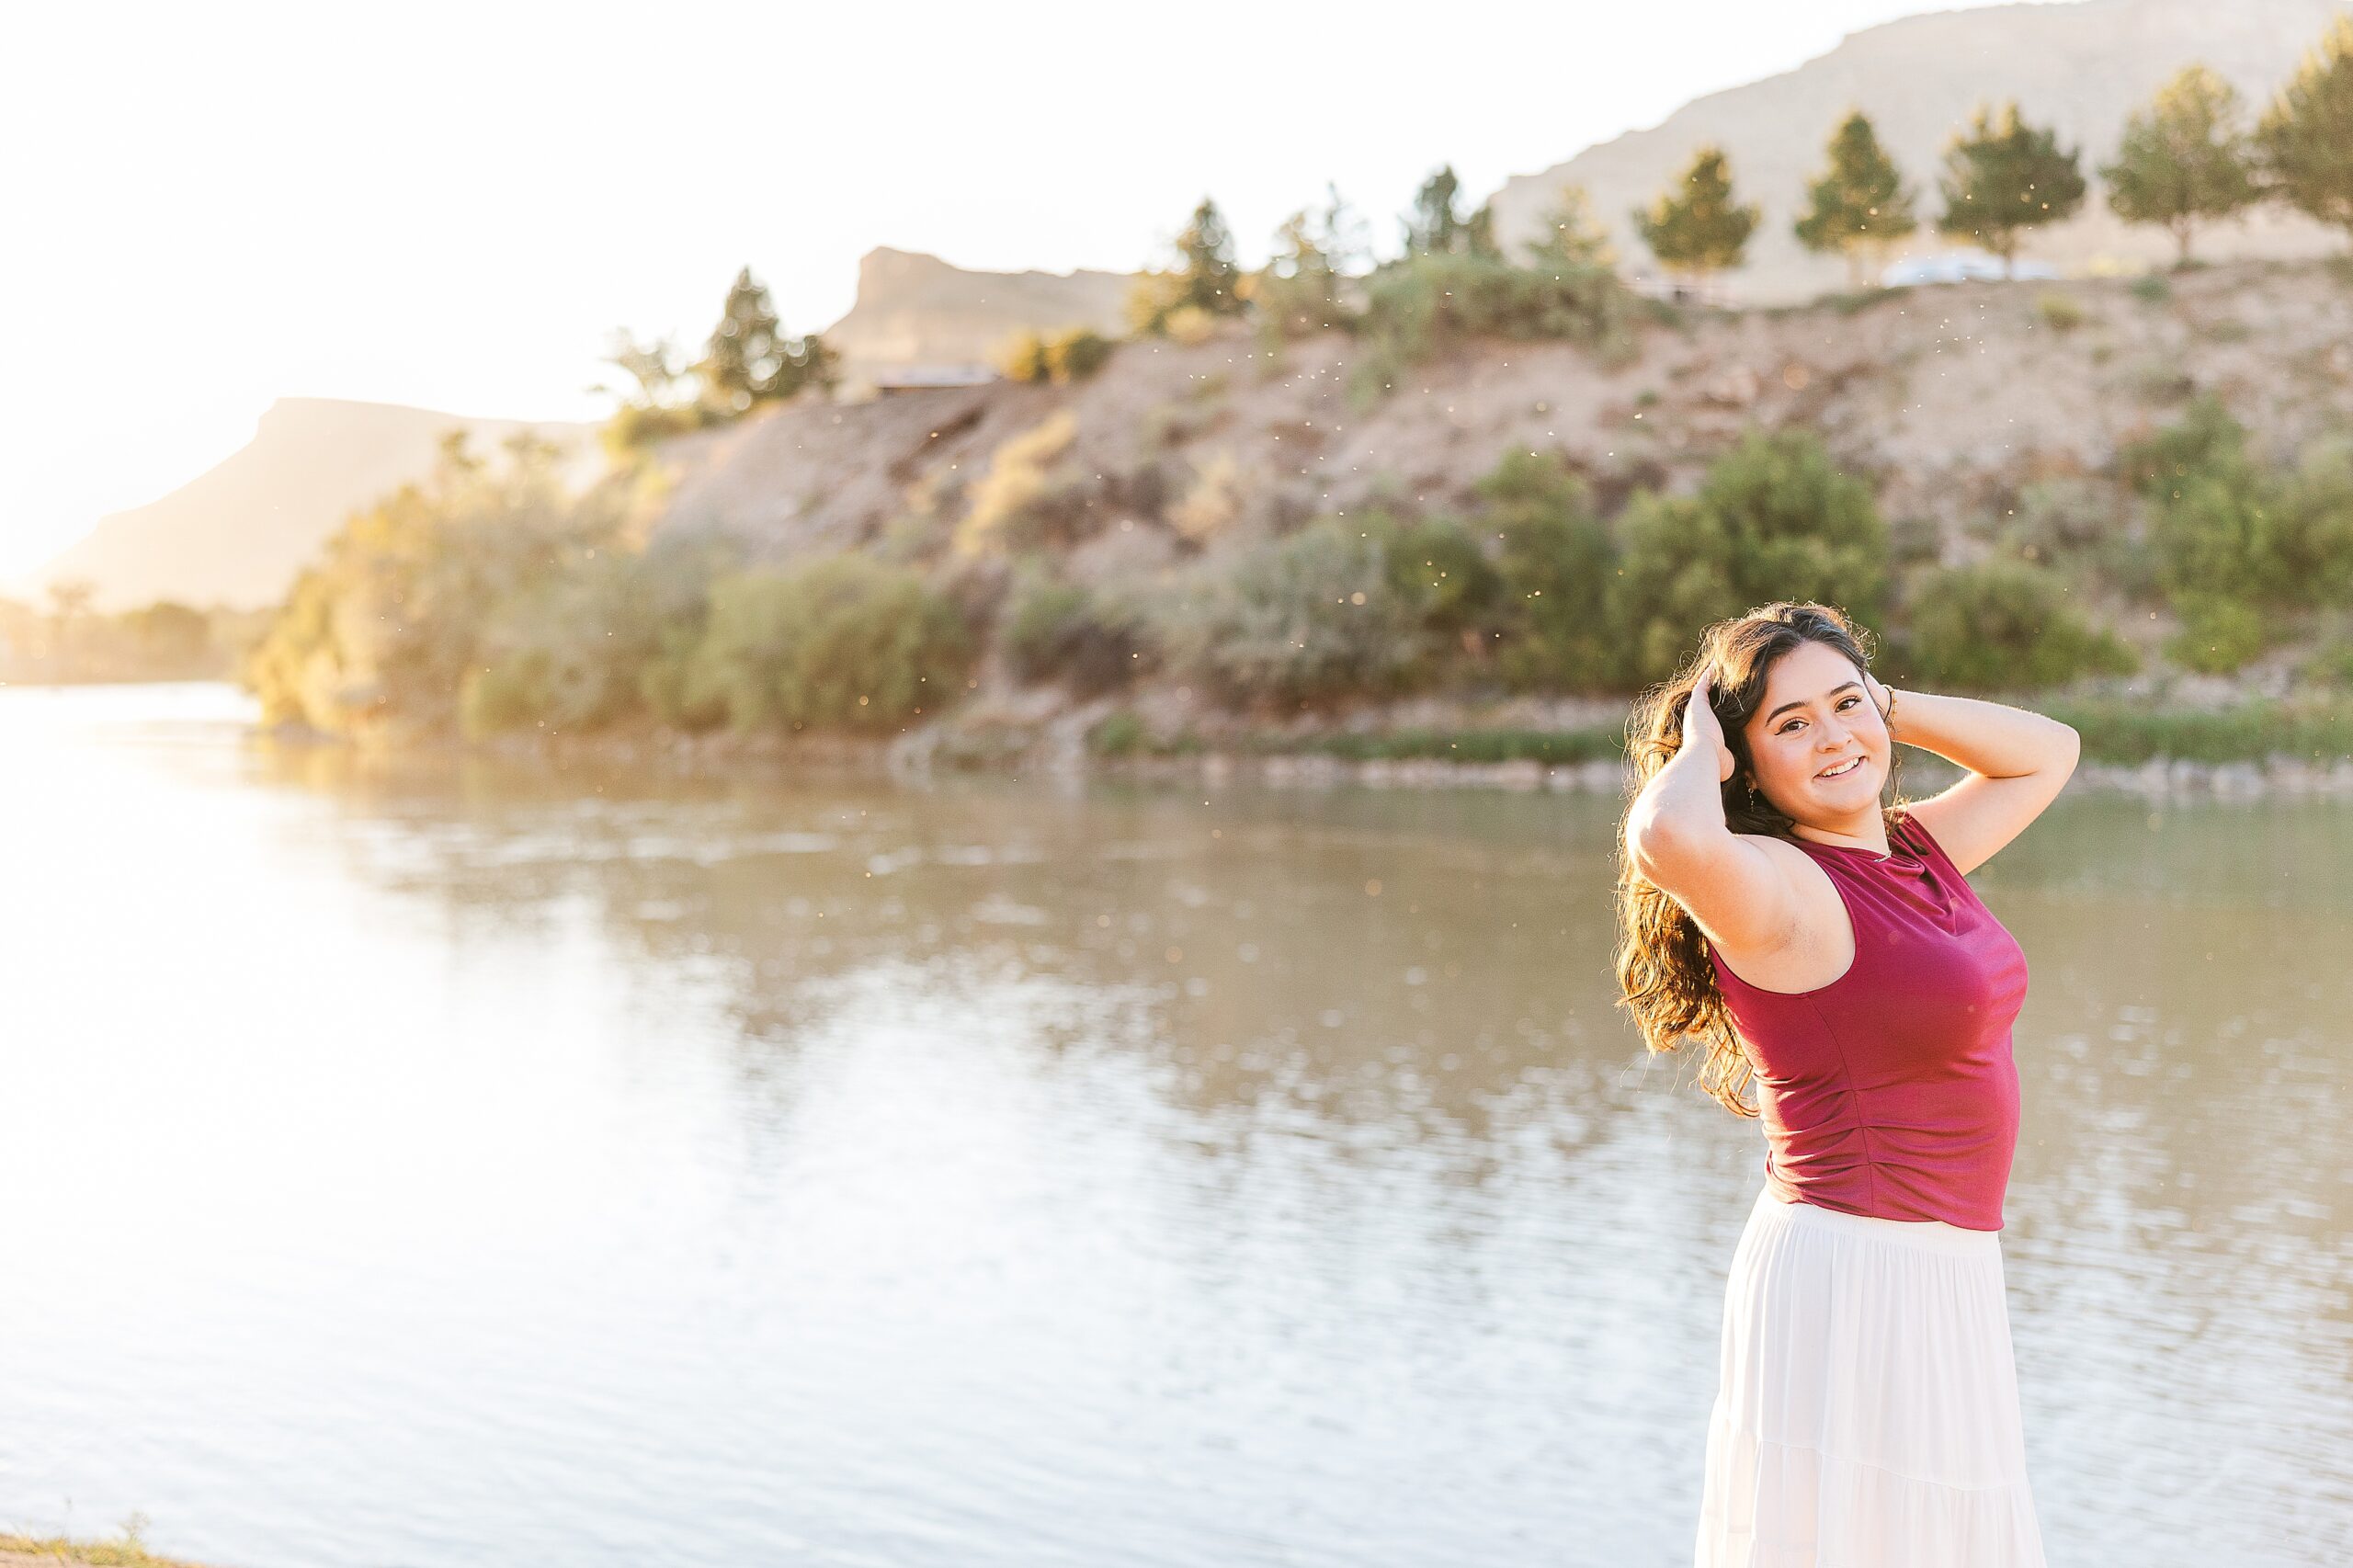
(1663, 976)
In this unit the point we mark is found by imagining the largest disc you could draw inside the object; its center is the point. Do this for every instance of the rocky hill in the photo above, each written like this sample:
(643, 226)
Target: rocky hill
(2083, 67)
(236, 535)
(1948, 397)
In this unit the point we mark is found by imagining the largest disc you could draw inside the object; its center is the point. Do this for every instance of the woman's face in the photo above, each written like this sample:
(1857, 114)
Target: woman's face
(1818, 745)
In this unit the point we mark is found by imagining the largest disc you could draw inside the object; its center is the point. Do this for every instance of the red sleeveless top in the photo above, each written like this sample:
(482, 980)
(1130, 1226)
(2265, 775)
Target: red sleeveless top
(1891, 1091)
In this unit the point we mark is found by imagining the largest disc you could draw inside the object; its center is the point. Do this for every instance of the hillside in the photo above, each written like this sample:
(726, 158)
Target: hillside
(1947, 396)
(2083, 67)
(238, 533)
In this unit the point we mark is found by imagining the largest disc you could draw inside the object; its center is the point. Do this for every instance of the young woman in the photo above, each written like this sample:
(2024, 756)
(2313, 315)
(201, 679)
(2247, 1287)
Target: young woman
(1827, 949)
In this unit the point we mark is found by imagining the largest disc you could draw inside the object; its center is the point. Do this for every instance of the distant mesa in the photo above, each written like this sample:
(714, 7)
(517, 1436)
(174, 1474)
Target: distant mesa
(920, 321)
(239, 533)
(2084, 68)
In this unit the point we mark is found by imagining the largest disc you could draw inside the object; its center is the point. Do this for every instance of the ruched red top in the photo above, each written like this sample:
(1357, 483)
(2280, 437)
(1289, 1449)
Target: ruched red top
(1892, 1090)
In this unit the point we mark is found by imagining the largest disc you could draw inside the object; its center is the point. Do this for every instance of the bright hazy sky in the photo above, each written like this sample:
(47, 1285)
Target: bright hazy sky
(452, 205)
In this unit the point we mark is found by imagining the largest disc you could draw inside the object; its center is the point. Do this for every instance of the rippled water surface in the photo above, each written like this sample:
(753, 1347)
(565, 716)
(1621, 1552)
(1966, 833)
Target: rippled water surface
(431, 1162)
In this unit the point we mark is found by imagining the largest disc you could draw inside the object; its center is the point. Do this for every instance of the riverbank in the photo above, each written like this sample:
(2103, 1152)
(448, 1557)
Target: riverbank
(2240, 751)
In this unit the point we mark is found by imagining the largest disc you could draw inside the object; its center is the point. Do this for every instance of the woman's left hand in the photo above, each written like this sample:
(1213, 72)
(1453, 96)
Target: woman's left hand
(1882, 698)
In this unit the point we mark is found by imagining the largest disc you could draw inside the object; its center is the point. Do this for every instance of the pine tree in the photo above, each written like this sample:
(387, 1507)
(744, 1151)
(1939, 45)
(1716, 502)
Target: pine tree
(747, 350)
(1572, 237)
(1205, 283)
(1434, 225)
(1858, 206)
(2184, 158)
(1297, 290)
(1209, 272)
(1479, 234)
(2305, 139)
(2002, 177)
(1695, 226)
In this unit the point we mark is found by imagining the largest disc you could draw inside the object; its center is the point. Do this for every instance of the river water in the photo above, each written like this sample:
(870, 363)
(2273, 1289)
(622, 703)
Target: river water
(457, 1163)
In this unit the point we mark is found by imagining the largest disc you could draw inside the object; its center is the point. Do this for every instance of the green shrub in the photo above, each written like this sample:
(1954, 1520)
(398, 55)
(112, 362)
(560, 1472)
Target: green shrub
(2060, 313)
(2079, 527)
(2002, 625)
(419, 594)
(1300, 620)
(1059, 630)
(1075, 355)
(1774, 519)
(1436, 563)
(2206, 437)
(841, 641)
(1427, 303)
(1554, 568)
(2218, 634)
(1116, 735)
(2151, 289)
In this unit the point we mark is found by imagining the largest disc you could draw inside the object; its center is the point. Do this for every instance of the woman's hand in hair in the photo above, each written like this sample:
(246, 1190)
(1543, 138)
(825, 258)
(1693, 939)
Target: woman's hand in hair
(1703, 728)
(1882, 698)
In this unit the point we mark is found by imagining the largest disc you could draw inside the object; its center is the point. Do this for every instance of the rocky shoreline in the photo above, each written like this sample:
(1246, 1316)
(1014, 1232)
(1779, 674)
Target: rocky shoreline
(921, 756)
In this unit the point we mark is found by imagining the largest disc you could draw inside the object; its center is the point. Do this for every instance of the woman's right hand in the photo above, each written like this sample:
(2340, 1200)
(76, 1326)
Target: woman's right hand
(1703, 728)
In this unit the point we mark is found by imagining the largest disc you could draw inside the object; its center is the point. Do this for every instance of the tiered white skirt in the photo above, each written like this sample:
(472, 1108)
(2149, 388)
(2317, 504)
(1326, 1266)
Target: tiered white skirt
(1867, 1411)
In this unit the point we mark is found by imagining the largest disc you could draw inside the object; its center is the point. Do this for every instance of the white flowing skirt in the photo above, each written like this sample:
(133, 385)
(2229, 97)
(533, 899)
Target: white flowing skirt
(1867, 1411)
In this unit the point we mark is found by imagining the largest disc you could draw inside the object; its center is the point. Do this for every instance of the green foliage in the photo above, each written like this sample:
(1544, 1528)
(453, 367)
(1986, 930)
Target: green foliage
(1695, 226)
(1573, 238)
(1298, 293)
(2134, 731)
(1071, 355)
(1434, 227)
(1426, 305)
(1774, 519)
(1555, 566)
(2305, 140)
(2206, 437)
(1076, 354)
(2183, 159)
(2002, 177)
(1857, 205)
(1025, 359)
(416, 591)
(1055, 629)
(1206, 279)
(2218, 634)
(2002, 625)
(840, 642)
(2078, 527)
(1436, 563)
(658, 402)
(2152, 289)
(1552, 747)
(1118, 735)
(2060, 313)
(1301, 620)
(2236, 541)
(749, 360)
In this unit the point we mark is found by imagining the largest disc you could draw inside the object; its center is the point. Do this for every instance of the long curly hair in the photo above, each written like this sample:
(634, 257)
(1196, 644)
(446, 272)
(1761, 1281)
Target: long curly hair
(1663, 976)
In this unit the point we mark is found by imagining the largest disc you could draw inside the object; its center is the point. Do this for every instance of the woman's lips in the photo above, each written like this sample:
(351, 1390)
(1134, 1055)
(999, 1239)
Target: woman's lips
(1842, 769)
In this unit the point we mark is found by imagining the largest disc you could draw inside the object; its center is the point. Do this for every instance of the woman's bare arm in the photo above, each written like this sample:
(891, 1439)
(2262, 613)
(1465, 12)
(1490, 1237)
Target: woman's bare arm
(2017, 762)
(1678, 839)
